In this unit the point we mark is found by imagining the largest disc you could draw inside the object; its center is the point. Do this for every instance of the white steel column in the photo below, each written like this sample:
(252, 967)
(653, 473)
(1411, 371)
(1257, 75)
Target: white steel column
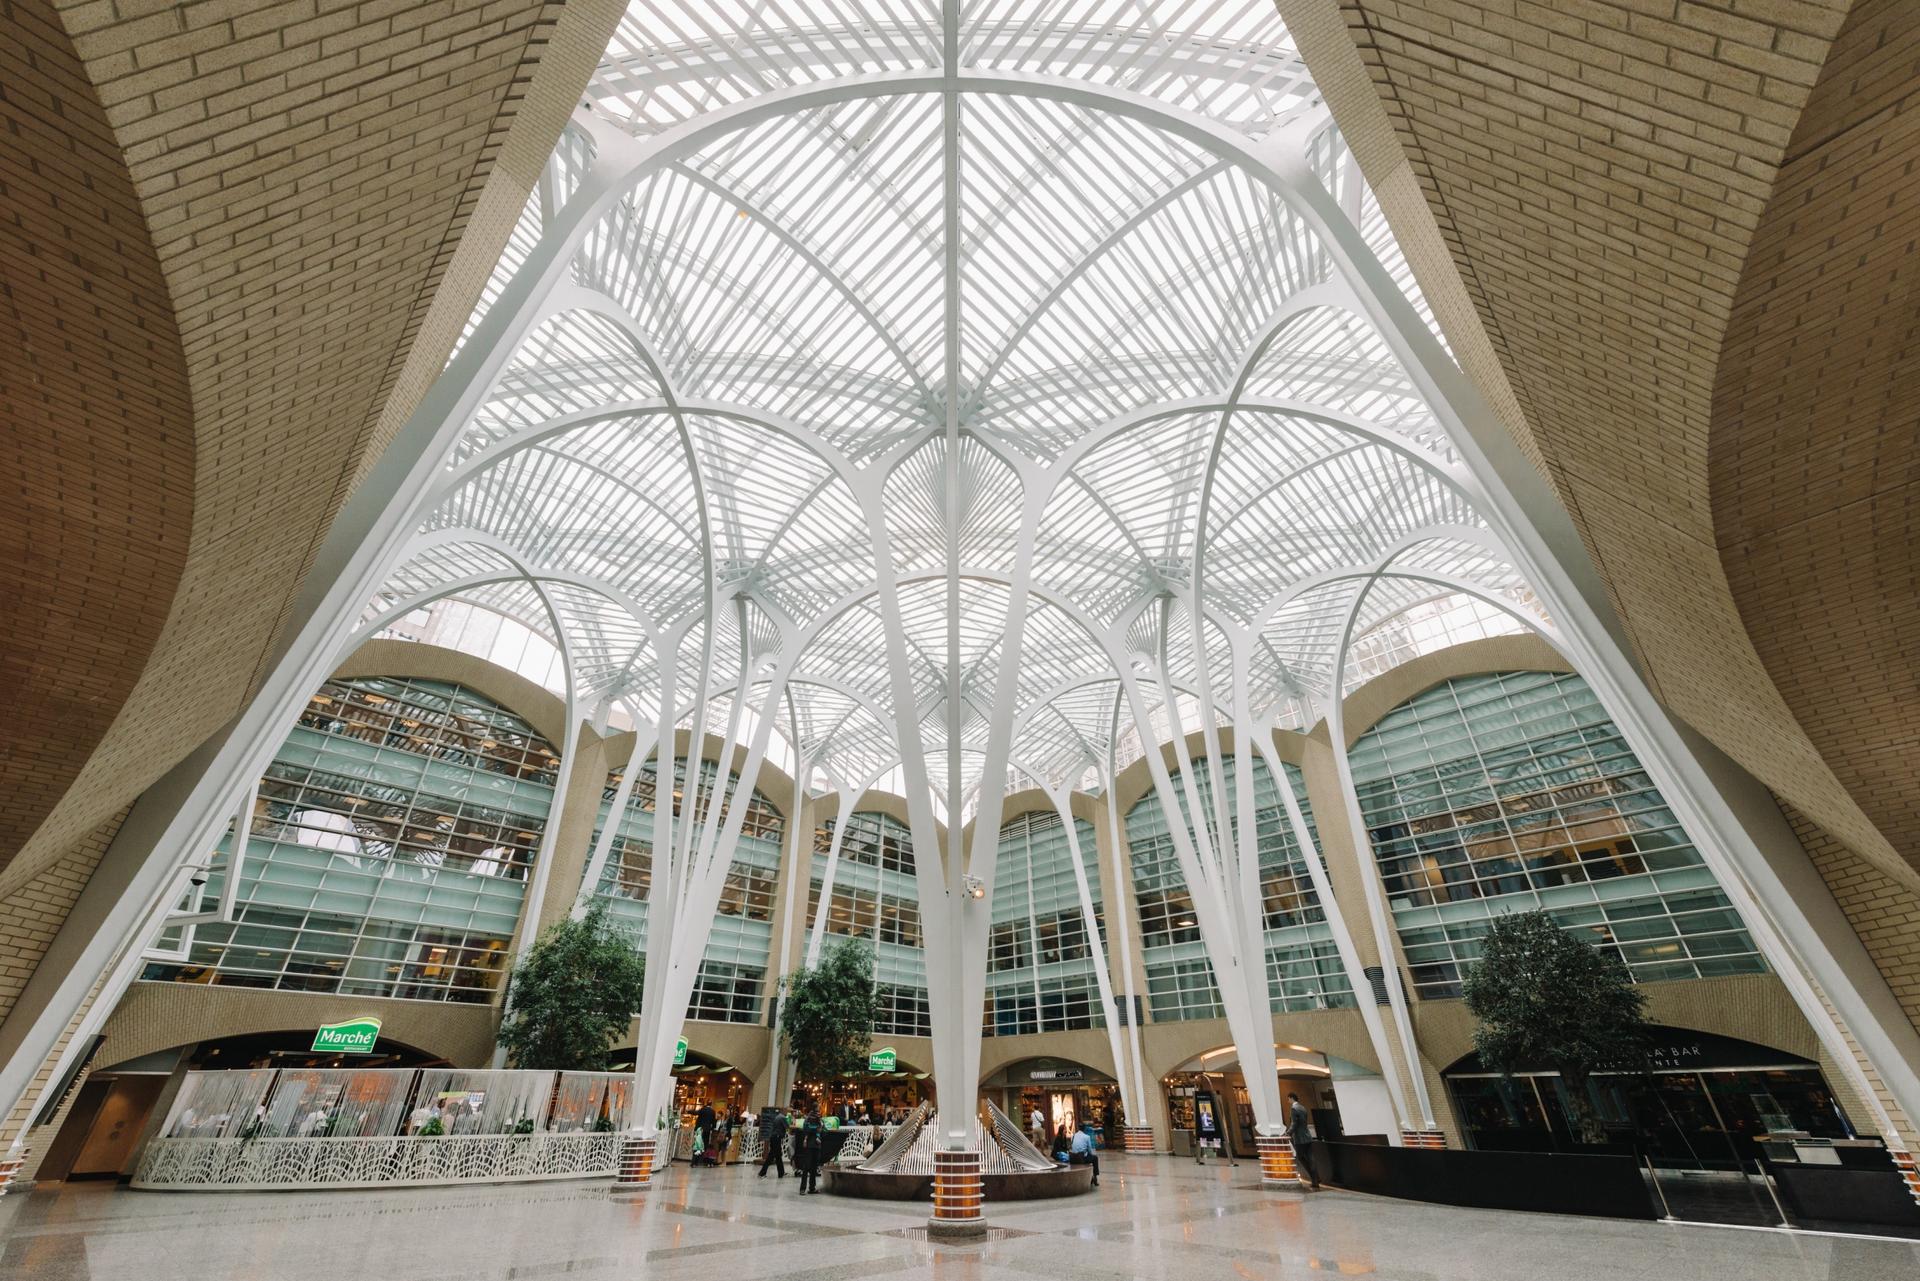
(1129, 1093)
(1123, 875)
(1337, 922)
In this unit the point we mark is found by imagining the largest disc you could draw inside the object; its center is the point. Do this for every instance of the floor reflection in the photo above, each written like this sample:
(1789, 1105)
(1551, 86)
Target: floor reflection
(1155, 1218)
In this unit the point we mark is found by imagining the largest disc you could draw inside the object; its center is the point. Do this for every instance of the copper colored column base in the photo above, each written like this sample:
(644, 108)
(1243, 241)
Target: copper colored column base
(634, 1174)
(957, 1198)
(1277, 1166)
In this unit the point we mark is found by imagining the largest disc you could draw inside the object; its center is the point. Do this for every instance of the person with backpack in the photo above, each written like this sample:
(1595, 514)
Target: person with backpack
(773, 1133)
(807, 1146)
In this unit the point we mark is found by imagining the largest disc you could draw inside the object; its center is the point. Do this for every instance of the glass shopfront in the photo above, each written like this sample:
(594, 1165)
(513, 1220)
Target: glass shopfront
(1067, 1094)
(887, 1096)
(1218, 1075)
(1704, 1104)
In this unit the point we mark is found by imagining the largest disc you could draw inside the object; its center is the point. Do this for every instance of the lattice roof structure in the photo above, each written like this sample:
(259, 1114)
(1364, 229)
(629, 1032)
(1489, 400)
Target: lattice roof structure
(926, 369)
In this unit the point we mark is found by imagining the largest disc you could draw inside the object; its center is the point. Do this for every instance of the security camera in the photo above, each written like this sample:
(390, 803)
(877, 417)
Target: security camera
(197, 879)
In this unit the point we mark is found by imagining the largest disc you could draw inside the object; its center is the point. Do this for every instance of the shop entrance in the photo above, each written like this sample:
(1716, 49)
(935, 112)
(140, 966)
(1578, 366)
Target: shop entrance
(1066, 1093)
(114, 1107)
(1700, 1120)
(1217, 1075)
(887, 1097)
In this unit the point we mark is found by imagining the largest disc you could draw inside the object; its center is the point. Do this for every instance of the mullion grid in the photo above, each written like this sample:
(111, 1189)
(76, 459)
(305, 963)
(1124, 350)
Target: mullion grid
(1515, 786)
(419, 892)
(1040, 962)
(730, 984)
(875, 896)
(1303, 968)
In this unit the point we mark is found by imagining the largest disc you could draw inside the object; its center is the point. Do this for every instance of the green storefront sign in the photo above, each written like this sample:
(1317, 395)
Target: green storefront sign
(883, 1060)
(680, 1053)
(355, 1036)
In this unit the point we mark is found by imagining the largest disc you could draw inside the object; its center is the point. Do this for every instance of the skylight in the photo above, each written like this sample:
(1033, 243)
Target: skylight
(1003, 292)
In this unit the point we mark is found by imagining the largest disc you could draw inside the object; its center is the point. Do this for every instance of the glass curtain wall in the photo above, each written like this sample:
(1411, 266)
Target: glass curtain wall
(1512, 791)
(875, 898)
(1040, 962)
(389, 851)
(731, 984)
(1303, 964)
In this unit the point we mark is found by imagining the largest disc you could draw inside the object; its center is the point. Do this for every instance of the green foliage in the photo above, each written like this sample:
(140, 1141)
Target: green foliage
(574, 993)
(826, 1019)
(432, 1129)
(1544, 999)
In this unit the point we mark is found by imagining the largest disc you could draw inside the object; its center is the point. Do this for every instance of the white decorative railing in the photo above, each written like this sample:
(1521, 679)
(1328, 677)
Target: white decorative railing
(385, 1161)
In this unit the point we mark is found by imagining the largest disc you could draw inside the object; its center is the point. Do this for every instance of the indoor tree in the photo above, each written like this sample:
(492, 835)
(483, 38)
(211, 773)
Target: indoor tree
(1544, 999)
(575, 992)
(827, 1015)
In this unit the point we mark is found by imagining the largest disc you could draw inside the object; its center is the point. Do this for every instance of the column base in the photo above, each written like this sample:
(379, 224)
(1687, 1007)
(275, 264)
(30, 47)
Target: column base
(1139, 1139)
(958, 1197)
(1909, 1168)
(956, 1230)
(1278, 1169)
(634, 1173)
(1431, 1139)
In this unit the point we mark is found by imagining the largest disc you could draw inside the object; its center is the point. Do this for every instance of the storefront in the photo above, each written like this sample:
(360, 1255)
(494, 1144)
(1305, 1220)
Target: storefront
(1703, 1103)
(886, 1096)
(1216, 1075)
(1067, 1094)
(703, 1081)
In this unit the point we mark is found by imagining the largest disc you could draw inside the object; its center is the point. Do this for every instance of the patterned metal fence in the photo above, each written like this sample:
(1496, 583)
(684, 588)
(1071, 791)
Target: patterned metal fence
(387, 1161)
(380, 1127)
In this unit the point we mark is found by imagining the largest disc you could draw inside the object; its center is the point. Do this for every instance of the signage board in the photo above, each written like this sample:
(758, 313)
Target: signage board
(883, 1060)
(355, 1036)
(1056, 1074)
(680, 1052)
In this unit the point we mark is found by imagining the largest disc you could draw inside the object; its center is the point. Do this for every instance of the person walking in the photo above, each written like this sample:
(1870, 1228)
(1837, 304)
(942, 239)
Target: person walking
(703, 1123)
(1037, 1126)
(1300, 1133)
(773, 1133)
(1084, 1151)
(806, 1152)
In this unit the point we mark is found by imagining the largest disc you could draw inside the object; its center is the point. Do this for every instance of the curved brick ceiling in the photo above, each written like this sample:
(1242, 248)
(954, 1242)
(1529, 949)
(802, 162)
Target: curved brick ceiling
(1815, 451)
(318, 191)
(1577, 190)
(98, 425)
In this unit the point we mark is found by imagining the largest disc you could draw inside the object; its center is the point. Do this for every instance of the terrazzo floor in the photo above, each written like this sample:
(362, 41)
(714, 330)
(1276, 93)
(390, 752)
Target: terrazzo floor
(1152, 1217)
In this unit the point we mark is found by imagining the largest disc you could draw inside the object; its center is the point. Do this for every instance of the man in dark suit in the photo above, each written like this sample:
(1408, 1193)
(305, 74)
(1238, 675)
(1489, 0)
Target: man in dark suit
(1300, 1132)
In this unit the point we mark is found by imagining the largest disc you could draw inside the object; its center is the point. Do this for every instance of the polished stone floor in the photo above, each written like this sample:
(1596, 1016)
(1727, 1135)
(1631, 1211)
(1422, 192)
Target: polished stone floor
(1153, 1217)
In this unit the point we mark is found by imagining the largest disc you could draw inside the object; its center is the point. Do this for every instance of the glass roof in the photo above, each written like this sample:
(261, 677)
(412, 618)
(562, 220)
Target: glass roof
(993, 293)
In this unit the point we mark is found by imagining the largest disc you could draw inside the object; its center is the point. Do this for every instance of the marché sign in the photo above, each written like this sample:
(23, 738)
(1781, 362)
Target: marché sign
(355, 1036)
(883, 1060)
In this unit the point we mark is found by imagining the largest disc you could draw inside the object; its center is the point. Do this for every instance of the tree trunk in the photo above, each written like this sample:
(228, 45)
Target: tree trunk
(1581, 1114)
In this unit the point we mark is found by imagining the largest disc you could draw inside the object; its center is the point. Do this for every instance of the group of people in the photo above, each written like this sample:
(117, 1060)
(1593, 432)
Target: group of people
(1071, 1144)
(808, 1128)
(713, 1131)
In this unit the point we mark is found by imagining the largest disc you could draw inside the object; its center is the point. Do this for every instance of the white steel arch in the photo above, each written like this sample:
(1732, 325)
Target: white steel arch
(888, 278)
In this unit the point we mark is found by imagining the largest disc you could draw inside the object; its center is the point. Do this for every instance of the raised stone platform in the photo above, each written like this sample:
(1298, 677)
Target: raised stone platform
(1020, 1185)
(1003, 1166)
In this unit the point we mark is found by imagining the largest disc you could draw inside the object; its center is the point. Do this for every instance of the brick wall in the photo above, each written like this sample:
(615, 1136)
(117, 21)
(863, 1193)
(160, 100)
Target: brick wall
(33, 914)
(1816, 421)
(98, 428)
(307, 172)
